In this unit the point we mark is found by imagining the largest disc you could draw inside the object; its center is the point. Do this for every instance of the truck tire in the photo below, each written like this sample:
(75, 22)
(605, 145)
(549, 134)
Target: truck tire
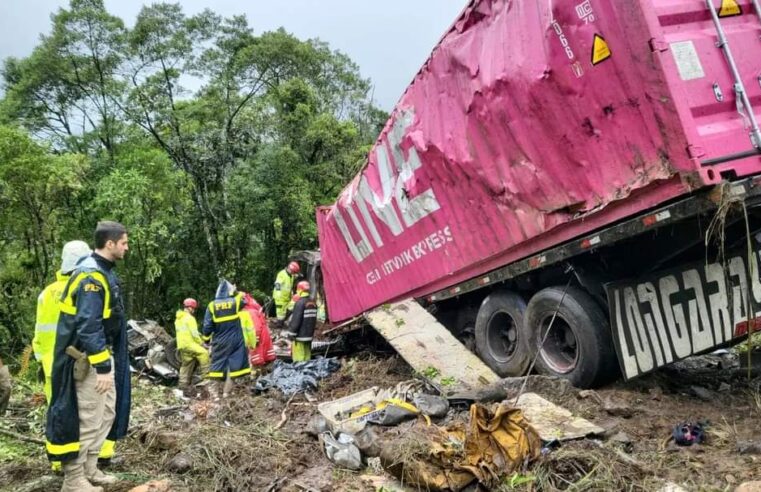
(579, 347)
(466, 327)
(498, 333)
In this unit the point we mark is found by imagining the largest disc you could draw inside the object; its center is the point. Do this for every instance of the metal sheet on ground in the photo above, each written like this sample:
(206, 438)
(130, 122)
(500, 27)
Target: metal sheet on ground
(553, 422)
(430, 348)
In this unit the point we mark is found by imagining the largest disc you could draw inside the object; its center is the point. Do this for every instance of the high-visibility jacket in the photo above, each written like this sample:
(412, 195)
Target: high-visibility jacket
(92, 320)
(281, 294)
(264, 351)
(224, 326)
(45, 326)
(186, 327)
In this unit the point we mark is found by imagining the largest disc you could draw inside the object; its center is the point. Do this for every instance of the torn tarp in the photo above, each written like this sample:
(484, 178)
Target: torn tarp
(497, 441)
(291, 378)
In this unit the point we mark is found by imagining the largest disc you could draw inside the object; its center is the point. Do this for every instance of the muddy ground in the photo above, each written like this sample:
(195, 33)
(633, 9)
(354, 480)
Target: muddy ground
(237, 446)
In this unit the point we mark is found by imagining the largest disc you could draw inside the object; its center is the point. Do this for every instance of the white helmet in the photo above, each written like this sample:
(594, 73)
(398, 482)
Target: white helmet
(72, 252)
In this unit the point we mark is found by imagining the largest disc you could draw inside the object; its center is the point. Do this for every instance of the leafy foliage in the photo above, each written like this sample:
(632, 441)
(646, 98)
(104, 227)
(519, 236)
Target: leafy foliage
(100, 122)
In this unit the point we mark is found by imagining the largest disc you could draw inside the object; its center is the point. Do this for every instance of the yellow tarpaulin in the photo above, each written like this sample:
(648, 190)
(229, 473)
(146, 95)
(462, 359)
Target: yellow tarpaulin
(496, 442)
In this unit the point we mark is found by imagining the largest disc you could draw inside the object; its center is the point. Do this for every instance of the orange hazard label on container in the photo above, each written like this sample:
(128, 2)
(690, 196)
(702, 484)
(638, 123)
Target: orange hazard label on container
(600, 50)
(729, 8)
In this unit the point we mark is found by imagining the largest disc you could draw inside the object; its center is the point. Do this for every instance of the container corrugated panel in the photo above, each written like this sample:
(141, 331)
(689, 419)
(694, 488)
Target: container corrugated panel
(534, 122)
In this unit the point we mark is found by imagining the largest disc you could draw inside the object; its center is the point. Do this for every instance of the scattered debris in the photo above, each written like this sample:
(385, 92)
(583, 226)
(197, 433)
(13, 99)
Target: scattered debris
(284, 414)
(190, 442)
(553, 422)
(431, 405)
(180, 463)
(342, 450)
(426, 344)
(749, 447)
(622, 439)
(687, 434)
(494, 442)
(618, 409)
(297, 377)
(702, 393)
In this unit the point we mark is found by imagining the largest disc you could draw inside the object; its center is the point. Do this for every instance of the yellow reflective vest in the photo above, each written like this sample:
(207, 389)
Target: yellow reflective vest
(48, 313)
(186, 327)
(281, 294)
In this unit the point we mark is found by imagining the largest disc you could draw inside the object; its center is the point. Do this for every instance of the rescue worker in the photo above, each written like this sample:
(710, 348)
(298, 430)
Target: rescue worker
(90, 398)
(264, 352)
(48, 313)
(5, 387)
(192, 352)
(224, 326)
(281, 294)
(303, 322)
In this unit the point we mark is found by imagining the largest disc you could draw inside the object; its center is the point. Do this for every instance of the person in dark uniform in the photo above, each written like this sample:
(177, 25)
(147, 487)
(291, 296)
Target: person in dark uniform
(90, 391)
(222, 325)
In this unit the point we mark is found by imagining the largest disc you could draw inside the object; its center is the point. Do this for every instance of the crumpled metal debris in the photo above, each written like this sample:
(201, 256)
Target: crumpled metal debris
(291, 378)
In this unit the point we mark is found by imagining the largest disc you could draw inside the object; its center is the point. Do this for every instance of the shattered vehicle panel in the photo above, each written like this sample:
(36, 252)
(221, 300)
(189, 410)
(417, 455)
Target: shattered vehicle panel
(533, 123)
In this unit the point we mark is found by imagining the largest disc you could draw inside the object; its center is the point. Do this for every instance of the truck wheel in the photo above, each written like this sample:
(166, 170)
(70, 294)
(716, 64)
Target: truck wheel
(579, 346)
(498, 333)
(466, 327)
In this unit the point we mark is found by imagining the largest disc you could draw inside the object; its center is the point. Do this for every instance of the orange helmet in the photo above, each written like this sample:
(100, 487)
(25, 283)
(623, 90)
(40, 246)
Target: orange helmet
(190, 302)
(294, 267)
(303, 286)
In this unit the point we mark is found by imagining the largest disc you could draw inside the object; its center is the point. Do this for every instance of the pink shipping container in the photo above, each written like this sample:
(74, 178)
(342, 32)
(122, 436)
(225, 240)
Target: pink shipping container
(536, 122)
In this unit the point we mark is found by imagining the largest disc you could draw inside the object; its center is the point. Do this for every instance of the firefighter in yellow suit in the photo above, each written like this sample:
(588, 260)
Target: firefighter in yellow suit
(190, 345)
(283, 291)
(48, 312)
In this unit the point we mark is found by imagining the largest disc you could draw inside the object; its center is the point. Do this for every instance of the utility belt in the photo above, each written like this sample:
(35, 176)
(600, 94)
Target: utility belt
(82, 361)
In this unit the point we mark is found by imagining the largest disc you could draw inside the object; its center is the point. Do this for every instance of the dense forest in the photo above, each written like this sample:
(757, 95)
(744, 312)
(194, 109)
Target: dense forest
(212, 143)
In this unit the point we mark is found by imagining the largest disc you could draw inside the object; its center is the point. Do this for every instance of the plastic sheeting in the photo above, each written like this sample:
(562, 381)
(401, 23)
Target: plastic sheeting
(291, 378)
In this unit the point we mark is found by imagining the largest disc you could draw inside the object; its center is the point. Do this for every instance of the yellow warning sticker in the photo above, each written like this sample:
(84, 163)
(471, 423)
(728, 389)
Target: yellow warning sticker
(729, 8)
(600, 50)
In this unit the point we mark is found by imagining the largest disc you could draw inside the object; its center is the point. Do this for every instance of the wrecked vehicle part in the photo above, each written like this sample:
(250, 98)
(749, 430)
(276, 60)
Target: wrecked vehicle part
(152, 351)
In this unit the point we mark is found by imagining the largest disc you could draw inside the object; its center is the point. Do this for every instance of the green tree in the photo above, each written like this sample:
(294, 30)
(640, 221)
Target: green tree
(36, 188)
(222, 180)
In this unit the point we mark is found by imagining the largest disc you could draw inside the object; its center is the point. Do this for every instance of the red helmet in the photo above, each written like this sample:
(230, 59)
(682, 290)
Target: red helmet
(303, 286)
(190, 302)
(294, 267)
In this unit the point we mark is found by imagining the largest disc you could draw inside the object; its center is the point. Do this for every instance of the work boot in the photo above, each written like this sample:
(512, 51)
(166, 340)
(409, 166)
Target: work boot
(74, 480)
(96, 476)
(227, 388)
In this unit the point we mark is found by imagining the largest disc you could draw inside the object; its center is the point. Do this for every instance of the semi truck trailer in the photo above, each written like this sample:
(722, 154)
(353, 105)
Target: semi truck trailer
(572, 181)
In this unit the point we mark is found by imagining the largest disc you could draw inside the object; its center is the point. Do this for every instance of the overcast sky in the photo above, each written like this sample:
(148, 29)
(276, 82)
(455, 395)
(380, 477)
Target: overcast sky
(389, 40)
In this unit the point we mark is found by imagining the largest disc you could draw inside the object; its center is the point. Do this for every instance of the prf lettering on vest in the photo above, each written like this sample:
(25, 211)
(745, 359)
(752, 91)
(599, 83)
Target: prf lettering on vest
(223, 305)
(364, 202)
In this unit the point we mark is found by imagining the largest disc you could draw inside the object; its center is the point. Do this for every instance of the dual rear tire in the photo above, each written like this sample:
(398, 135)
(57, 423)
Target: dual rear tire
(510, 333)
